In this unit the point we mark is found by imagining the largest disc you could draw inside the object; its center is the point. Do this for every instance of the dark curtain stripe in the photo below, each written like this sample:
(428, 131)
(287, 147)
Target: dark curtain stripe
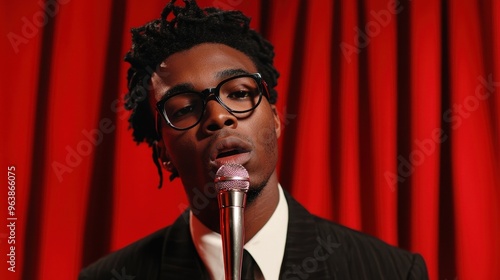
(265, 16)
(404, 118)
(366, 158)
(97, 239)
(295, 87)
(487, 35)
(39, 157)
(446, 239)
(335, 107)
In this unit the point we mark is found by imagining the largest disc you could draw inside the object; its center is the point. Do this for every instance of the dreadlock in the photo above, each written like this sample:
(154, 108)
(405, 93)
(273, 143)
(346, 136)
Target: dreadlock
(190, 26)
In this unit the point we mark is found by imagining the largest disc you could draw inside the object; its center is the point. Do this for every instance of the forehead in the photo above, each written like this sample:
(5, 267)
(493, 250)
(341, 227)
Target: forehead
(201, 66)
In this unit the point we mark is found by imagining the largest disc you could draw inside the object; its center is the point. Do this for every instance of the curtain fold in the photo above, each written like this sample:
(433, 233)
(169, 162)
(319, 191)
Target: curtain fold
(390, 114)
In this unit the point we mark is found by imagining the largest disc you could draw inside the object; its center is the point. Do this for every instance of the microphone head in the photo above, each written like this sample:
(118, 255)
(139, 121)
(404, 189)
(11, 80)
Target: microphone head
(232, 176)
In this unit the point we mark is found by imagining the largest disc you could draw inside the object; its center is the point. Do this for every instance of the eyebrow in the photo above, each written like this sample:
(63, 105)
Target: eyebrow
(224, 74)
(178, 88)
(227, 73)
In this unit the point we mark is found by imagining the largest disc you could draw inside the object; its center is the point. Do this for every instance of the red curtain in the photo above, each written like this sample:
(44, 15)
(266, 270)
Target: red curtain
(391, 115)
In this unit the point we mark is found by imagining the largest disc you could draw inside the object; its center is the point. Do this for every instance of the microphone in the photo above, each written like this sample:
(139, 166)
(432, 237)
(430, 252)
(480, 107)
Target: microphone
(232, 183)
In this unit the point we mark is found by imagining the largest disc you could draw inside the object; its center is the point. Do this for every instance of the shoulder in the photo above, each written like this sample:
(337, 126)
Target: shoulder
(366, 256)
(356, 242)
(370, 253)
(344, 253)
(142, 256)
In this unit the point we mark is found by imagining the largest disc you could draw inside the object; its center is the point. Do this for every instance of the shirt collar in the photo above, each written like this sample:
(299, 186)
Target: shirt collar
(267, 247)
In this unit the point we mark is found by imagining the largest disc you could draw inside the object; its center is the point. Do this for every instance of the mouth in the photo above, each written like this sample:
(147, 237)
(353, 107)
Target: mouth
(230, 150)
(229, 153)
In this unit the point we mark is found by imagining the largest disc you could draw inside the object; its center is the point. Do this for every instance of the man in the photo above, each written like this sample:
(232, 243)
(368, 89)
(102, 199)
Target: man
(210, 97)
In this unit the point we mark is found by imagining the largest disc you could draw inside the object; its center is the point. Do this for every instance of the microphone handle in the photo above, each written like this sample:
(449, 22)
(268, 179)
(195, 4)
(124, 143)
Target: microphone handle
(231, 208)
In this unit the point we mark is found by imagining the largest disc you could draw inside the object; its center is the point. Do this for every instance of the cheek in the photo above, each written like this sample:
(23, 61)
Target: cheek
(266, 137)
(268, 140)
(179, 148)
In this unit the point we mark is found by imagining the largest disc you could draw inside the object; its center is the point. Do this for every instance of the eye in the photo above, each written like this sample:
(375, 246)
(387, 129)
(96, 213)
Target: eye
(179, 113)
(183, 106)
(241, 94)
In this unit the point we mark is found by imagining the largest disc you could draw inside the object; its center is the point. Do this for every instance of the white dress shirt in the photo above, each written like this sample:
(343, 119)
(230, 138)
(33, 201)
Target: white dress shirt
(267, 247)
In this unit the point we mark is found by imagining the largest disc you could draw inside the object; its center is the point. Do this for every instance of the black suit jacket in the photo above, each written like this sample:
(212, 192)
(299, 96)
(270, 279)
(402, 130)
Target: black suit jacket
(315, 249)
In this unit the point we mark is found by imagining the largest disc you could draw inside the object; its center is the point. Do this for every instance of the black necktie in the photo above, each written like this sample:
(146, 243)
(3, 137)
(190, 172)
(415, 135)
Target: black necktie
(248, 266)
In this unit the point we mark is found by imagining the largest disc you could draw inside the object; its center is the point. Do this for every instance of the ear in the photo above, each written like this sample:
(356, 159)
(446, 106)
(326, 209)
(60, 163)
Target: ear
(277, 121)
(161, 152)
(163, 157)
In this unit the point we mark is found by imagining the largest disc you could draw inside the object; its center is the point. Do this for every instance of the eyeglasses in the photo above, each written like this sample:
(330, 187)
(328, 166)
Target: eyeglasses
(239, 94)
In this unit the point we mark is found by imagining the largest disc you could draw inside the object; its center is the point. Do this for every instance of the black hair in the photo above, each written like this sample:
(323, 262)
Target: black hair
(180, 28)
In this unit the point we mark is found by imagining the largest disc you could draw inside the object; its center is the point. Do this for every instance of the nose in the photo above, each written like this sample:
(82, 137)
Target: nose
(217, 117)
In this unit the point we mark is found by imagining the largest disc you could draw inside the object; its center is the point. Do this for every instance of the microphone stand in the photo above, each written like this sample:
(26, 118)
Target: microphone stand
(231, 205)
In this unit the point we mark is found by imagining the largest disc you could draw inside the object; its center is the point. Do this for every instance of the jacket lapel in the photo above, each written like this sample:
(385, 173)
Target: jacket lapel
(179, 257)
(307, 255)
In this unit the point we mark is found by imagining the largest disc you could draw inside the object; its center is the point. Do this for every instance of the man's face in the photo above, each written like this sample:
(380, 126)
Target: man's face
(220, 137)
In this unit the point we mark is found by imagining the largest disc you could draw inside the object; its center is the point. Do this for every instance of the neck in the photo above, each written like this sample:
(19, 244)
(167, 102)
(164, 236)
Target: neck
(257, 212)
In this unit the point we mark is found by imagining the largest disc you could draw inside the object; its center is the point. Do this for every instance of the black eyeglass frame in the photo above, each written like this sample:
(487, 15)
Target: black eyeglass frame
(215, 91)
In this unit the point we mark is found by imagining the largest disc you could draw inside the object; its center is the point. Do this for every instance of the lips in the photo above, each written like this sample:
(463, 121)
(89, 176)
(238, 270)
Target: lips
(229, 150)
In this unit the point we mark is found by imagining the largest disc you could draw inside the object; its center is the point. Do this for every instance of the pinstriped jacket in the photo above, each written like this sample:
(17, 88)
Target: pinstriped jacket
(315, 249)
